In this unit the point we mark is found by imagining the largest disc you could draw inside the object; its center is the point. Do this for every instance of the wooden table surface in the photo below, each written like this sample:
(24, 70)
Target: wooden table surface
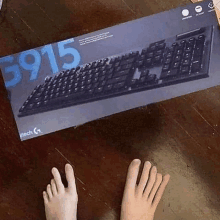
(180, 136)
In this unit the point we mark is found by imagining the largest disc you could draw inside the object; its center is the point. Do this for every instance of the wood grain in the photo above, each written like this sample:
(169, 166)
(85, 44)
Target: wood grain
(180, 136)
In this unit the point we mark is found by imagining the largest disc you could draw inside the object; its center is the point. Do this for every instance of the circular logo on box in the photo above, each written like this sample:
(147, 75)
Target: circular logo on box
(185, 12)
(198, 8)
(210, 5)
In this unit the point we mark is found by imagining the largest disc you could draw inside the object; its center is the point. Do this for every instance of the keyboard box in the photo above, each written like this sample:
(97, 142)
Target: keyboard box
(130, 65)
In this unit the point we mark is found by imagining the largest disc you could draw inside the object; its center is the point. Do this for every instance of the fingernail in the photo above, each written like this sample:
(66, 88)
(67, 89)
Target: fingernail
(137, 161)
(68, 166)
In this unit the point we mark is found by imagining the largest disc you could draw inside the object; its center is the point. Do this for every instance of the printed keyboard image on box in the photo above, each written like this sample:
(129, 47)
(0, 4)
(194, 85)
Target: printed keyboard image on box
(179, 59)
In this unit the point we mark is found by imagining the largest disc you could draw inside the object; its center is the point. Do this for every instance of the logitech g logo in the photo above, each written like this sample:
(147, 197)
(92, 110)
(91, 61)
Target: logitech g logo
(35, 131)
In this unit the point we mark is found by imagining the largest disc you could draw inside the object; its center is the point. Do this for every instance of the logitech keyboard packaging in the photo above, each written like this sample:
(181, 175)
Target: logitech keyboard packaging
(130, 65)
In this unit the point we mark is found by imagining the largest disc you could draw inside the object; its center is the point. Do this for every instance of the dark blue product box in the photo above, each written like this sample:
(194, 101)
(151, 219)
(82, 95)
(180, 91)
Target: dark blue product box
(126, 66)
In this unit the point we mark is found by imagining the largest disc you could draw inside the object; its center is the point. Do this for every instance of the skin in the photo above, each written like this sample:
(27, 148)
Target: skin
(60, 202)
(139, 201)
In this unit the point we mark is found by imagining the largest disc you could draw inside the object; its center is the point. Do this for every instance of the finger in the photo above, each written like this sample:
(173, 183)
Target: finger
(58, 181)
(151, 182)
(160, 192)
(70, 177)
(45, 196)
(54, 188)
(132, 174)
(144, 177)
(49, 192)
(155, 188)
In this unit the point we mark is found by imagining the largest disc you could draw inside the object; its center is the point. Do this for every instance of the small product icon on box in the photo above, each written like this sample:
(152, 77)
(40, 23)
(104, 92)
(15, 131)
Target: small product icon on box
(210, 5)
(185, 12)
(198, 8)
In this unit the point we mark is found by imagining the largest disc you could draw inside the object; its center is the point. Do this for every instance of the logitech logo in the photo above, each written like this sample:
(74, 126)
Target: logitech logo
(35, 131)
